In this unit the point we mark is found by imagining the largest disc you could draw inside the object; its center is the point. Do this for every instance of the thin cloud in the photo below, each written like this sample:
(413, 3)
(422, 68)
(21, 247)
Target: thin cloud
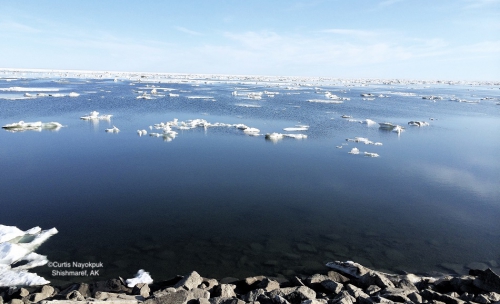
(480, 3)
(187, 31)
(389, 2)
(17, 27)
(460, 178)
(350, 32)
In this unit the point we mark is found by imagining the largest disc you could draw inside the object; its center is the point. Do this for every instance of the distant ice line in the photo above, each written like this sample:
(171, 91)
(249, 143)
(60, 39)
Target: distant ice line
(147, 77)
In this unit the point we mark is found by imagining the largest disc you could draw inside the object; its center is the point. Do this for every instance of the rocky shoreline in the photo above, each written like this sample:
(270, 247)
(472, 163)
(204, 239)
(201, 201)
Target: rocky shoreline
(340, 283)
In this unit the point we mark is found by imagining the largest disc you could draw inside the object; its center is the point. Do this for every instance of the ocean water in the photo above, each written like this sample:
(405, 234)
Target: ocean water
(224, 203)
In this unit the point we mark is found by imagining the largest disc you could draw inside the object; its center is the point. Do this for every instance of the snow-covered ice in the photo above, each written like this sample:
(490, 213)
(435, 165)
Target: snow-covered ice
(94, 115)
(16, 246)
(141, 277)
(34, 126)
(113, 130)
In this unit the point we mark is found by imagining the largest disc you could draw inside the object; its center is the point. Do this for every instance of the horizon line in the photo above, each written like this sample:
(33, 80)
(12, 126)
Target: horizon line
(41, 70)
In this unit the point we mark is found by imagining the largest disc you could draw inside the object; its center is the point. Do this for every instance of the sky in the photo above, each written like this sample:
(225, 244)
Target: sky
(410, 39)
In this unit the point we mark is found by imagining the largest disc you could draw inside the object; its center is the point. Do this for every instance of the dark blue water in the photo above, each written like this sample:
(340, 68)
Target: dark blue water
(227, 204)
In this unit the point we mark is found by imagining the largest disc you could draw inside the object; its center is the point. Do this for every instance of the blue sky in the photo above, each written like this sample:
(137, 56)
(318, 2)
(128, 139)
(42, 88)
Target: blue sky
(413, 39)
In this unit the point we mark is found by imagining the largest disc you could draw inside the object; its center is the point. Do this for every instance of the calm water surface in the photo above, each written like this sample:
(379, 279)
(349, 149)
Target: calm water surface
(227, 204)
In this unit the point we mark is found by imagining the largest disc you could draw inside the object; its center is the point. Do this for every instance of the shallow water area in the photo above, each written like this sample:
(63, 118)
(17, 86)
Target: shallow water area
(224, 203)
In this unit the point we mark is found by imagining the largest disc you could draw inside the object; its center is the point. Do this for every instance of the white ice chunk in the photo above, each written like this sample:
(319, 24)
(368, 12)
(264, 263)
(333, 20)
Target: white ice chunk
(296, 136)
(37, 126)
(201, 97)
(56, 95)
(251, 130)
(297, 128)
(94, 115)
(113, 130)
(241, 126)
(51, 125)
(23, 125)
(369, 154)
(354, 151)
(368, 122)
(398, 129)
(274, 136)
(21, 89)
(141, 277)
(386, 125)
(73, 94)
(418, 123)
(334, 101)
(247, 105)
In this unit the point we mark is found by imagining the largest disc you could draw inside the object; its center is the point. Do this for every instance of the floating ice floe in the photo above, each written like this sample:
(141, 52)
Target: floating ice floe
(251, 130)
(407, 94)
(201, 97)
(33, 126)
(326, 101)
(297, 128)
(386, 125)
(144, 96)
(94, 115)
(335, 97)
(398, 129)
(247, 105)
(432, 97)
(57, 95)
(466, 101)
(278, 136)
(369, 154)
(255, 95)
(73, 94)
(354, 151)
(364, 140)
(368, 122)
(113, 130)
(141, 277)
(173, 95)
(21, 89)
(168, 133)
(418, 123)
(296, 136)
(142, 132)
(19, 246)
(367, 95)
(391, 127)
